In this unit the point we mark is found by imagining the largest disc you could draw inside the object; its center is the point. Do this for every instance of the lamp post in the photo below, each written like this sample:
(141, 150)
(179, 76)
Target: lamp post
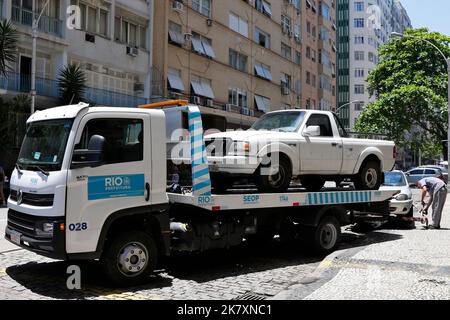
(447, 60)
(34, 35)
(346, 105)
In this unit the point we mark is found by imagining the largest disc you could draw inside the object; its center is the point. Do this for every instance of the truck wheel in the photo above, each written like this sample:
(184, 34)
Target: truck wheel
(130, 258)
(277, 179)
(312, 184)
(325, 238)
(370, 177)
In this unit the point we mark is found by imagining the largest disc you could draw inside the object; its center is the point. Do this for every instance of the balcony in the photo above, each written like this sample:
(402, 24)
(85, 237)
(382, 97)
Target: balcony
(15, 82)
(47, 24)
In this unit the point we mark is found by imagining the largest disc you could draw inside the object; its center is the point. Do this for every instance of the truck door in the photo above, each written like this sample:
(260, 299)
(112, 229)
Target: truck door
(121, 181)
(322, 154)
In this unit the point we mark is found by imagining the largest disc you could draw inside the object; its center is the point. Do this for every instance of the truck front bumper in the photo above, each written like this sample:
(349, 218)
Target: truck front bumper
(234, 165)
(22, 230)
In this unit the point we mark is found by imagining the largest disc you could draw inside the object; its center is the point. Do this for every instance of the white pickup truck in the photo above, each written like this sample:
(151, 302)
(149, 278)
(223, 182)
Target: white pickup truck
(308, 144)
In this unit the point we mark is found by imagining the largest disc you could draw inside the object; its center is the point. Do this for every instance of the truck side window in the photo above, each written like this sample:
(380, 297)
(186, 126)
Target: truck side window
(323, 121)
(124, 139)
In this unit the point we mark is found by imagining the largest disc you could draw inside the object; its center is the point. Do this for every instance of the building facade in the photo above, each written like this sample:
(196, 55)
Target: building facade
(111, 44)
(240, 59)
(362, 28)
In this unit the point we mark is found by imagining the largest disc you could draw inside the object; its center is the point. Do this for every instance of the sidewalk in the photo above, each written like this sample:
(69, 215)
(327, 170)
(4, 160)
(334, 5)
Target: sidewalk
(399, 264)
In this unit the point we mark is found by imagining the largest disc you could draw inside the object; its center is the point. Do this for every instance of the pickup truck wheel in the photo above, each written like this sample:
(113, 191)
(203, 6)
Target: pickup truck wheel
(325, 238)
(130, 258)
(370, 177)
(312, 184)
(277, 179)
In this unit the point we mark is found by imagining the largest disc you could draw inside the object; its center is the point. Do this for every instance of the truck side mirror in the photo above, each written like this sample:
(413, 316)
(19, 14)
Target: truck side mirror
(312, 131)
(92, 157)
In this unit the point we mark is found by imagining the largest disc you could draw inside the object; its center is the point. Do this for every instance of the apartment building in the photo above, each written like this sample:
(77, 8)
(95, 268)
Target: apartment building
(363, 26)
(240, 59)
(112, 44)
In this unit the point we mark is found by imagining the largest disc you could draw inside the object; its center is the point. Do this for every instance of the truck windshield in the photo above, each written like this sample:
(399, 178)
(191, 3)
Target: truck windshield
(44, 145)
(282, 121)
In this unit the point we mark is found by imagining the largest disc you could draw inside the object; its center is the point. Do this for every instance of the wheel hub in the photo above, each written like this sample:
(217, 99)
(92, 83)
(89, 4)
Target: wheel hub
(132, 259)
(328, 236)
(371, 178)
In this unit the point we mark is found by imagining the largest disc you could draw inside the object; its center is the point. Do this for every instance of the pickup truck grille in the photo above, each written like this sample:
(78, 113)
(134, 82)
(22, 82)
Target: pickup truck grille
(218, 147)
(37, 200)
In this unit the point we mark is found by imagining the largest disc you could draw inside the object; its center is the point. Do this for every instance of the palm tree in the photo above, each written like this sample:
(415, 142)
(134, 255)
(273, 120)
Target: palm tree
(8, 46)
(71, 84)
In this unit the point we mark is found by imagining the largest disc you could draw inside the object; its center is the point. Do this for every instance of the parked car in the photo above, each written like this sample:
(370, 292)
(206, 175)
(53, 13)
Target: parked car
(443, 169)
(308, 144)
(418, 174)
(402, 204)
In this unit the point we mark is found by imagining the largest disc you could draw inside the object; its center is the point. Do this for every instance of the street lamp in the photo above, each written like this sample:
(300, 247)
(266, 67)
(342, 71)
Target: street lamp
(346, 105)
(34, 35)
(447, 60)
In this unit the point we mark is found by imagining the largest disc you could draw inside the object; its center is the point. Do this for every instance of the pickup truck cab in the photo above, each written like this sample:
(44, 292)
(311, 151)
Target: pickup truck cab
(308, 144)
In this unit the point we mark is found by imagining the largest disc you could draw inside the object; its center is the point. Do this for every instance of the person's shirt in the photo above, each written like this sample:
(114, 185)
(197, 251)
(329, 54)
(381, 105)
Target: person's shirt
(2, 174)
(432, 184)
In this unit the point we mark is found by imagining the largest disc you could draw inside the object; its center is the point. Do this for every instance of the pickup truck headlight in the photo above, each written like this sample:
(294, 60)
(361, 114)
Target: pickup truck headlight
(240, 148)
(401, 197)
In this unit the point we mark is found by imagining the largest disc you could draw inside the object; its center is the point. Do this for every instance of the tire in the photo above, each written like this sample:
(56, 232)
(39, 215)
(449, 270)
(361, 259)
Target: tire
(133, 250)
(312, 183)
(370, 177)
(323, 239)
(279, 181)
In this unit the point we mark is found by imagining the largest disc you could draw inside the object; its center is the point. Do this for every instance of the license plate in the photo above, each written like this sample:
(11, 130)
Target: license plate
(15, 237)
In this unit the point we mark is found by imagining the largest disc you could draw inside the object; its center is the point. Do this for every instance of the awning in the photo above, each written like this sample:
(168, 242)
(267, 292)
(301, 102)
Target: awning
(267, 8)
(202, 88)
(176, 37)
(262, 103)
(197, 46)
(208, 49)
(175, 80)
(263, 72)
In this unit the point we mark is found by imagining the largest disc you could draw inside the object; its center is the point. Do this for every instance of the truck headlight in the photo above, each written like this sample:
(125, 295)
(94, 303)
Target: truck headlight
(401, 197)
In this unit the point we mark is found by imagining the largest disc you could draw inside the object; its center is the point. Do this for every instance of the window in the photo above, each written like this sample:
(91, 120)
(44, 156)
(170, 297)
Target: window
(373, 58)
(124, 139)
(358, 23)
(359, 55)
(103, 30)
(298, 57)
(93, 19)
(262, 38)
(286, 51)
(359, 106)
(359, 89)
(285, 24)
(313, 80)
(237, 97)
(286, 80)
(308, 77)
(359, 73)
(238, 61)
(174, 79)
(322, 121)
(263, 7)
(128, 32)
(202, 45)
(325, 11)
(175, 33)
(262, 103)
(359, 40)
(359, 6)
(202, 87)
(308, 52)
(238, 24)
(416, 172)
(263, 71)
(202, 6)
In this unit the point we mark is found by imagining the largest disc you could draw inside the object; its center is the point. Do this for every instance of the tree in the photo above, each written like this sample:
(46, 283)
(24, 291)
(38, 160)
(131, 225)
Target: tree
(410, 84)
(8, 45)
(71, 84)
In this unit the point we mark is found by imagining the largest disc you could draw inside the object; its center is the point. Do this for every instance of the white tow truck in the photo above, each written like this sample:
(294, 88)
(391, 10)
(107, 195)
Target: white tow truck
(90, 184)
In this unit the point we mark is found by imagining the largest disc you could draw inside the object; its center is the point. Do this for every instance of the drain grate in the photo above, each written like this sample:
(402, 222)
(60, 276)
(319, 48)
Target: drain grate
(251, 296)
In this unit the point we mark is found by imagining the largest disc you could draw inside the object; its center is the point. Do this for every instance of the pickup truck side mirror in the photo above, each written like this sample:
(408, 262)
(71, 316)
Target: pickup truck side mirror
(92, 157)
(312, 131)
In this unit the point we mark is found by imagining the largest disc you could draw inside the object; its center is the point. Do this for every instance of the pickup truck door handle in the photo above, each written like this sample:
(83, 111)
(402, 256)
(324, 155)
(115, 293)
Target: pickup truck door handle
(147, 188)
(334, 144)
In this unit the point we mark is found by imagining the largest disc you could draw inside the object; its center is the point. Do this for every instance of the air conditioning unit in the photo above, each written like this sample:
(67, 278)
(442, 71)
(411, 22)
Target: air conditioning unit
(132, 51)
(248, 112)
(285, 91)
(177, 6)
(139, 87)
(209, 22)
(196, 100)
(209, 103)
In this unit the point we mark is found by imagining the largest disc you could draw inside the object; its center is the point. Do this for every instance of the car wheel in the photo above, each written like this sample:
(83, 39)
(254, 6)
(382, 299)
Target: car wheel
(130, 258)
(312, 183)
(369, 177)
(274, 177)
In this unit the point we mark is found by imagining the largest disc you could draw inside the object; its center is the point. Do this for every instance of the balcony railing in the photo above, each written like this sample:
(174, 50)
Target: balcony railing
(49, 88)
(46, 24)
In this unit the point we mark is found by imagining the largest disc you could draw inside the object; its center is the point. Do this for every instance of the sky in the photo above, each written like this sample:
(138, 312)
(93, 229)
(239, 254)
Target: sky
(433, 14)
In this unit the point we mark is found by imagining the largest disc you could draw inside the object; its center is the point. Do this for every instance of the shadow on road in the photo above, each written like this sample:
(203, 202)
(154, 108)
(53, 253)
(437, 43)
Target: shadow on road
(49, 279)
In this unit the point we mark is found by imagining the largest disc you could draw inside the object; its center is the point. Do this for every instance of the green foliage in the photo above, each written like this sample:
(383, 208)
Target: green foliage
(13, 116)
(72, 84)
(410, 83)
(8, 45)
